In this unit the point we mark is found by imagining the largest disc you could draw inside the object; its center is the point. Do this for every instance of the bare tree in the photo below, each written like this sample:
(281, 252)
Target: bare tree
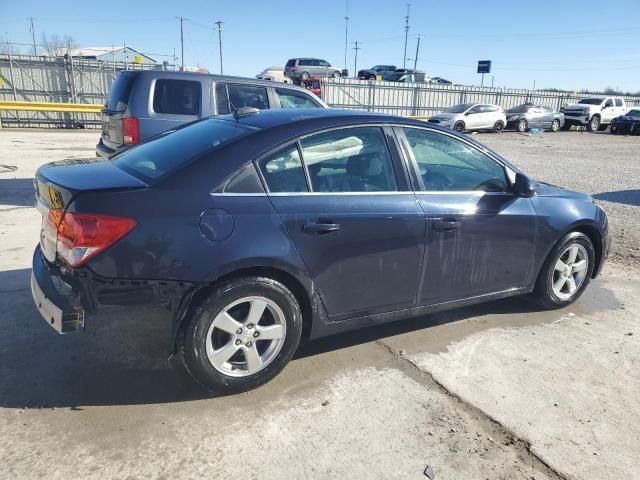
(57, 46)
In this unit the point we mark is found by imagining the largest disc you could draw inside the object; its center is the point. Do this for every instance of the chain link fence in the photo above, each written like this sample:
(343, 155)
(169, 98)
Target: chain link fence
(427, 99)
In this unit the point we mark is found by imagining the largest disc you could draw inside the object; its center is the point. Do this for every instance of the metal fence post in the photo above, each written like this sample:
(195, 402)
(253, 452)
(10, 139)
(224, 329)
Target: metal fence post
(13, 84)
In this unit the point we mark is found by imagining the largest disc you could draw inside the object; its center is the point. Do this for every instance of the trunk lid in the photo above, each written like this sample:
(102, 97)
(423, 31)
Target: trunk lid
(58, 183)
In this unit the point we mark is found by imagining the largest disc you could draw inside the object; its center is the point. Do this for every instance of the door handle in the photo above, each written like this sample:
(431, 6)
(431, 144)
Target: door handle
(446, 225)
(319, 228)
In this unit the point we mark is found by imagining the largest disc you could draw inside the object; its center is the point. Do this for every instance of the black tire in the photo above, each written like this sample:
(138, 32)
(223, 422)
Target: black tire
(522, 126)
(305, 76)
(555, 125)
(566, 127)
(498, 126)
(602, 128)
(613, 130)
(193, 338)
(594, 124)
(543, 292)
(336, 74)
(459, 126)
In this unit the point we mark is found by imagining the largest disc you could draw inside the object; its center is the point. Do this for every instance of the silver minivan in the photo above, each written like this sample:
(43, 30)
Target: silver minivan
(142, 104)
(305, 68)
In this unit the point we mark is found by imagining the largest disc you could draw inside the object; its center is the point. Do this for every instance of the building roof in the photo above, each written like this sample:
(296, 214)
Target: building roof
(99, 51)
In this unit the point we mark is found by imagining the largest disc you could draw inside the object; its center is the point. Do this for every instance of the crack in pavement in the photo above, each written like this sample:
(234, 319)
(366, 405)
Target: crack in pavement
(504, 434)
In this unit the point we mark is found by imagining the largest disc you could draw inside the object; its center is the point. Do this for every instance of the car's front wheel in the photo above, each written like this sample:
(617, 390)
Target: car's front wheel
(523, 126)
(555, 125)
(459, 126)
(566, 272)
(594, 124)
(242, 335)
(498, 126)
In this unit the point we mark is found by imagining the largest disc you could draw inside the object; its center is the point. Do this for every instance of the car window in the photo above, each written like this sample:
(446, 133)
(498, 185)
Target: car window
(446, 163)
(608, 103)
(349, 160)
(292, 99)
(151, 160)
(283, 172)
(476, 109)
(119, 92)
(222, 99)
(634, 113)
(291, 63)
(490, 108)
(547, 110)
(248, 96)
(178, 97)
(303, 63)
(323, 63)
(618, 102)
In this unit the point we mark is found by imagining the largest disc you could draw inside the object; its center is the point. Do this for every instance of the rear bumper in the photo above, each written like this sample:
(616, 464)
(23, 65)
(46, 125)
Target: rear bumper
(102, 151)
(53, 298)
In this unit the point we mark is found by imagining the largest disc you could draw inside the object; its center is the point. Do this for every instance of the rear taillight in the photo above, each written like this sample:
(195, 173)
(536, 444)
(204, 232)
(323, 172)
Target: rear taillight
(130, 131)
(81, 236)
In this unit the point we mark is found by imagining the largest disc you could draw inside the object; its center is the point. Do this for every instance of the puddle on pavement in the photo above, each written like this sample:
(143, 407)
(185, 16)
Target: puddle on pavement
(442, 329)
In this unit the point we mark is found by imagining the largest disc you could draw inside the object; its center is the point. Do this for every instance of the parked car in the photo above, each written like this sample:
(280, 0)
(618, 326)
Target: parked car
(260, 229)
(472, 116)
(405, 75)
(305, 68)
(595, 113)
(371, 73)
(314, 85)
(274, 73)
(440, 80)
(142, 104)
(628, 124)
(526, 116)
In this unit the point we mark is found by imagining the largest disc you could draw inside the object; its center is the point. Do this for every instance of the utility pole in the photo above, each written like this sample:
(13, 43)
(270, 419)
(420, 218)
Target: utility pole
(355, 61)
(181, 43)
(346, 37)
(415, 60)
(219, 24)
(406, 36)
(33, 37)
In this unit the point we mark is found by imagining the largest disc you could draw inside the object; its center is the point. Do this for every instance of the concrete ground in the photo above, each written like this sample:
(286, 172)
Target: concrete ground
(497, 391)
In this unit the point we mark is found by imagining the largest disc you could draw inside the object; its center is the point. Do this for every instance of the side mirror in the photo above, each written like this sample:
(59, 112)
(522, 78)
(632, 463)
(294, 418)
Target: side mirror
(523, 186)
(467, 113)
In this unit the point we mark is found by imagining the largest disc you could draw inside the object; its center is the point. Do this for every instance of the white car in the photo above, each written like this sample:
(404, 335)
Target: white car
(595, 113)
(274, 73)
(472, 116)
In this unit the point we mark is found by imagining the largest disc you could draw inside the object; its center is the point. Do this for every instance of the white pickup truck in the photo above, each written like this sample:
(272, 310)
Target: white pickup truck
(595, 113)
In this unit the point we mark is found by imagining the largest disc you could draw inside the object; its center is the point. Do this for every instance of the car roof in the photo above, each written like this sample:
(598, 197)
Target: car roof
(216, 78)
(310, 118)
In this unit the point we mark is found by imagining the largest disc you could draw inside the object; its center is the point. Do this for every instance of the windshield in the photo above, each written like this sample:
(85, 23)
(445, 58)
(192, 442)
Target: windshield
(151, 160)
(591, 101)
(393, 76)
(633, 113)
(463, 107)
(119, 92)
(519, 109)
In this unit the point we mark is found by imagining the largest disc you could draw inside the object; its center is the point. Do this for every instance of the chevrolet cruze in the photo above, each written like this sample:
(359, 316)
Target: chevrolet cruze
(261, 229)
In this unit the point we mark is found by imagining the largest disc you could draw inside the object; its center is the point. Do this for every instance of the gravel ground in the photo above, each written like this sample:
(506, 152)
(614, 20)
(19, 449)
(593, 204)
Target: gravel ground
(603, 165)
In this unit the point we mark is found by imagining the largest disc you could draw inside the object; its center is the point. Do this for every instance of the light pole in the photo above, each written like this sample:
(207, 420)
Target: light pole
(33, 36)
(219, 24)
(415, 60)
(181, 44)
(406, 36)
(346, 35)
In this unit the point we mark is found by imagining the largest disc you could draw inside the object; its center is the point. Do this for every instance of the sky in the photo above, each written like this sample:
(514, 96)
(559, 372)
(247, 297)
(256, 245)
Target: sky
(569, 44)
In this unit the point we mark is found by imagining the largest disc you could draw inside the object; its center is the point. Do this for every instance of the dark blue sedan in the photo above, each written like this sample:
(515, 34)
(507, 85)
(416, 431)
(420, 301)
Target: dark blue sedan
(263, 228)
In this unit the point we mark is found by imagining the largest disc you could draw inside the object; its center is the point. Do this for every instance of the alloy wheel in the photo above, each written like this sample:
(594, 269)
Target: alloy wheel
(570, 271)
(246, 336)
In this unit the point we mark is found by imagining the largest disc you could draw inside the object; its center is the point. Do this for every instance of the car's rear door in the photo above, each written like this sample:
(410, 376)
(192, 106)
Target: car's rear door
(350, 213)
(480, 236)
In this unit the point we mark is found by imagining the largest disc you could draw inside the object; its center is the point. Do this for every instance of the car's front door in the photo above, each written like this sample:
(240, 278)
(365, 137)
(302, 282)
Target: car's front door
(480, 236)
(547, 116)
(474, 117)
(351, 215)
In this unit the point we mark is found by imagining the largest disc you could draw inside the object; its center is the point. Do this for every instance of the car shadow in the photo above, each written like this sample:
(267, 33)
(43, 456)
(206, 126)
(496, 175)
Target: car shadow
(17, 192)
(625, 197)
(121, 358)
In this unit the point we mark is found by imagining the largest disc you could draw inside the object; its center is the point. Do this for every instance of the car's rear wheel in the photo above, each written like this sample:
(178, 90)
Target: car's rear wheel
(523, 126)
(555, 125)
(498, 126)
(242, 335)
(566, 127)
(305, 76)
(566, 272)
(336, 74)
(594, 124)
(459, 126)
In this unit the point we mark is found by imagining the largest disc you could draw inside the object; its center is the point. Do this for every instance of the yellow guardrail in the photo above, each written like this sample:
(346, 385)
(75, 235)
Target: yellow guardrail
(51, 107)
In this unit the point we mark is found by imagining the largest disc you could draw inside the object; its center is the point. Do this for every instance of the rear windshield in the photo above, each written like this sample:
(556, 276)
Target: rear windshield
(119, 92)
(519, 109)
(153, 159)
(291, 63)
